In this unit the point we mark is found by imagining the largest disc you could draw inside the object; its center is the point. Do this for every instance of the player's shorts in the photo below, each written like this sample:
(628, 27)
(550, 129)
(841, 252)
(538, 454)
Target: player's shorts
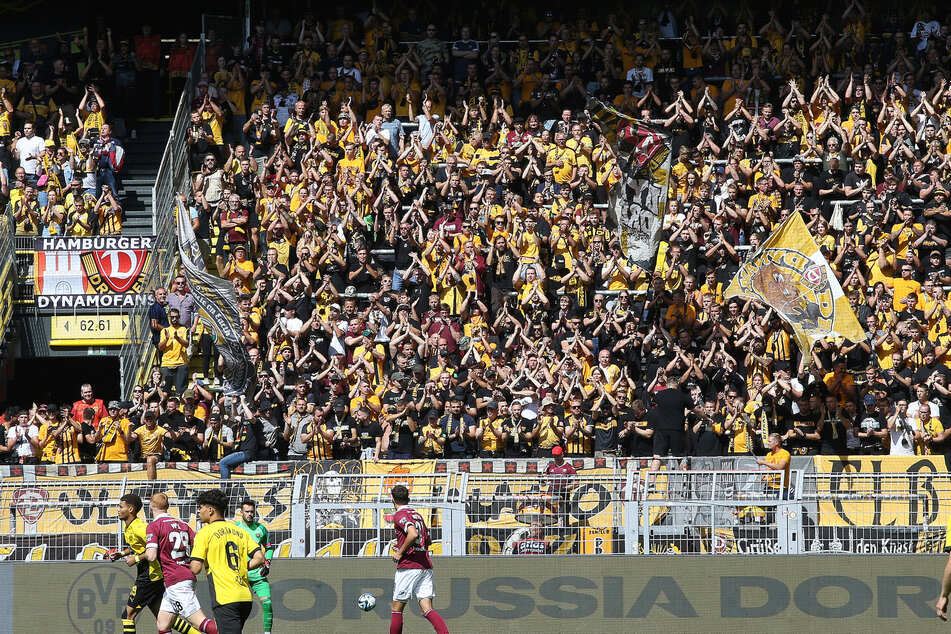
(145, 593)
(180, 598)
(416, 582)
(261, 588)
(230, 617)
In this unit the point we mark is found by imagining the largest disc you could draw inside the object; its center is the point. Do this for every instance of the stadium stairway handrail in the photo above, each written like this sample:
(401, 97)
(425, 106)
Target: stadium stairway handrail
(137, 353)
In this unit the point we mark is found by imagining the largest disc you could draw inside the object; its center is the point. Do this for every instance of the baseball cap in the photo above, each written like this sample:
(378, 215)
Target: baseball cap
(547, 401)
(557, 451)
(397, 376)
(492, 405)
(334, 307)
(113, 404)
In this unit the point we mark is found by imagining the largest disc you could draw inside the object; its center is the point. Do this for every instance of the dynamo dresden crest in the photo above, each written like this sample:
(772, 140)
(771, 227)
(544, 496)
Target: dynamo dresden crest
(30, 503)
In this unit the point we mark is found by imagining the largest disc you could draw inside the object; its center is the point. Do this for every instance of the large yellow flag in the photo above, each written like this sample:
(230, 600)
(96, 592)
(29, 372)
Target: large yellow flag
(790, 275)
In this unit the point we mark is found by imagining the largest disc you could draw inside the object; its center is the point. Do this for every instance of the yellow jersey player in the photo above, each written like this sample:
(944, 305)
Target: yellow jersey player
(149, 585)
(227, 552)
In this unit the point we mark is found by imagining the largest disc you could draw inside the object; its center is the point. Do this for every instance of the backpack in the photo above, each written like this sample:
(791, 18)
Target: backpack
(117, 157)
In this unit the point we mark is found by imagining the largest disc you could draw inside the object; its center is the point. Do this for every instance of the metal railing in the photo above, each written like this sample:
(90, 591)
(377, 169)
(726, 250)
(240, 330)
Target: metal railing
(350, 515)
(716, 512)
(876, 513)
(595, 511)
(8, 269)
(172, 176)
(721, 512)
(65, 520)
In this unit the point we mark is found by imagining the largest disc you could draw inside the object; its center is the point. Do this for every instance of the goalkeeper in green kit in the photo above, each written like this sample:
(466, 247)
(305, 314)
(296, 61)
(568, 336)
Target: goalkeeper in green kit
(258, 577)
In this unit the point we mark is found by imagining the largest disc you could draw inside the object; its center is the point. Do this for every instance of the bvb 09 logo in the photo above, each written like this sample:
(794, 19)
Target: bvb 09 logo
(96, 599)
(794, 285)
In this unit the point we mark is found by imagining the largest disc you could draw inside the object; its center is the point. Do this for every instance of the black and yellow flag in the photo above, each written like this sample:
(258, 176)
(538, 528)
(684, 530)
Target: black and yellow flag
(790, 275)
(638, 200)
(218, 305)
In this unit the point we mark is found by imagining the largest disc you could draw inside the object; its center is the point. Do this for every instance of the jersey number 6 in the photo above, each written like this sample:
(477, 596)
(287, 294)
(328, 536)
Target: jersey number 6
(231, 551)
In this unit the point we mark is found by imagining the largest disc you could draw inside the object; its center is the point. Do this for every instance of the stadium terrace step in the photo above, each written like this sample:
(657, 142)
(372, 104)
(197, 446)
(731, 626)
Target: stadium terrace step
(144, 153)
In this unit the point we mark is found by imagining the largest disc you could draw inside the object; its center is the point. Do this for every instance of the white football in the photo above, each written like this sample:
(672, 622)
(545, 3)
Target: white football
(366, 601)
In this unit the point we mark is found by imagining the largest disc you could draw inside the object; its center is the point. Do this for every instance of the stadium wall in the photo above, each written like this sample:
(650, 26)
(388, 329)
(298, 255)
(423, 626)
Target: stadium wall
(534, 594)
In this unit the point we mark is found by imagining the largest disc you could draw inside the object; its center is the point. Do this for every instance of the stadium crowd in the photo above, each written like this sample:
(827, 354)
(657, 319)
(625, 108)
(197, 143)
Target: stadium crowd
(415, 223)
(59, 158)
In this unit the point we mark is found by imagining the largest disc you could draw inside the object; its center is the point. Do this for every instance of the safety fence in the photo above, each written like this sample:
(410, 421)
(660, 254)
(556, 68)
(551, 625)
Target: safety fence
(869, 513)
(596, 511)
(8, 269)
(62, 520)
(489, 514)
(716, 512)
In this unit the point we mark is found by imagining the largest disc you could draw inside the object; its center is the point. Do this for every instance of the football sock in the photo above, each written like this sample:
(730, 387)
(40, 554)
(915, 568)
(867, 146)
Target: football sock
(267, 614)
(128, 626)
(183, 626)
(396, 623)
(209, 627)
(438, 624)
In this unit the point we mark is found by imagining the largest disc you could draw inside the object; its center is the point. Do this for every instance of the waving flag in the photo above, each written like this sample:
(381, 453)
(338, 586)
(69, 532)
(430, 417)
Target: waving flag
(790, 275)
(638, 201)
(218, 306)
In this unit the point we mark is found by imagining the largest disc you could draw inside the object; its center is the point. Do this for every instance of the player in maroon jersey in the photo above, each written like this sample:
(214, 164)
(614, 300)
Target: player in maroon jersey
(414, 570)
(169, 540)
(559, 475)
(534, 544)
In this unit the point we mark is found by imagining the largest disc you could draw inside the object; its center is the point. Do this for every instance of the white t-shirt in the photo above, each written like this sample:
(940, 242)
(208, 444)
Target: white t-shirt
(640, 77)
(914, 406)
(21, 436)
(896, 435)
(373, 133)
(32, 146)
(353, 71)
(425, 129)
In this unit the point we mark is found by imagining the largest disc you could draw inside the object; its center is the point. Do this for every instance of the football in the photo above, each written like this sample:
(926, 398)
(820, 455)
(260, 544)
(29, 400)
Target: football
(366, 601)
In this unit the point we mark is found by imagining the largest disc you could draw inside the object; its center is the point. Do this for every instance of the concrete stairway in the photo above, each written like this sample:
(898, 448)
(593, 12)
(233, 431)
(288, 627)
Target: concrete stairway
(143, 155)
